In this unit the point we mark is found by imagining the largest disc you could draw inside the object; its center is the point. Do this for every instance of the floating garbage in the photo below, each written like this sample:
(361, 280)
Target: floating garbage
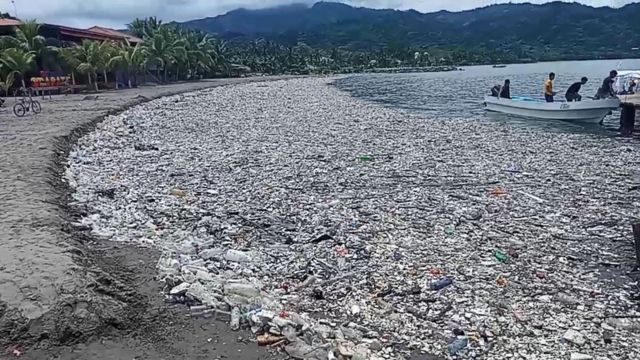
(292, 210)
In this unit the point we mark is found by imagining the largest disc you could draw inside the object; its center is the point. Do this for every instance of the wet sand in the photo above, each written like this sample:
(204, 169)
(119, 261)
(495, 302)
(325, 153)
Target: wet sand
(60, 287)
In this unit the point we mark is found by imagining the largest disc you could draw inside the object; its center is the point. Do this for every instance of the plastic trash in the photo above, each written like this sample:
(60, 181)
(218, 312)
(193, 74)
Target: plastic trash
(574, 337)
(498, 191)
(449, 231)
(242, 289)
(235, 319)
(513, 169)
(441, 284)
(237, 256)
(501, 256)
(269, 339)
(578, 356)
(300, 350)
(178, 192)
(458, 345)
(341, 250)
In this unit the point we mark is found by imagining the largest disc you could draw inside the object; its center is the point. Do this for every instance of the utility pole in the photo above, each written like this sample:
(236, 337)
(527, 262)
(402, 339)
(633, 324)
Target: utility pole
(15, 8)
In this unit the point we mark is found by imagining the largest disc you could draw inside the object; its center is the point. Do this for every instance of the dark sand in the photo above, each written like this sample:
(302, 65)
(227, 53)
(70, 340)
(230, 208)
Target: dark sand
(64, 295)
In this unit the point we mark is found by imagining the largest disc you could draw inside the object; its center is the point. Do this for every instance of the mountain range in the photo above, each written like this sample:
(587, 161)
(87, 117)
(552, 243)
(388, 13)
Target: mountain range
(555, 30)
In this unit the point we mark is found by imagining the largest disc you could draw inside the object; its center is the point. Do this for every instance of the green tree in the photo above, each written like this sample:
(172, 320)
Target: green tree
(70, 60)
(145, 27)
(163, 49)
(18, 62)
(105, 51)
(128, 58)
(88, 57)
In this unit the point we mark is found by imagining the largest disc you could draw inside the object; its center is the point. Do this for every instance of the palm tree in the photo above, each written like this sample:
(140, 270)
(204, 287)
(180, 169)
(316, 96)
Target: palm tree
(18, 62)
(137, 27)
(222, 55)
(7, 83)
(128, 58)
(163, 49)
(144, 28)
(104, 51)
(69, 56)
(28, 38)
(88, 55)
(201, 55)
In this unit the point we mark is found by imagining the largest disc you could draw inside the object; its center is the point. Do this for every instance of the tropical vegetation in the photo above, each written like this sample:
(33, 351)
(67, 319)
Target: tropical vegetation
(170, 52)
(324, 38)
(507, 32)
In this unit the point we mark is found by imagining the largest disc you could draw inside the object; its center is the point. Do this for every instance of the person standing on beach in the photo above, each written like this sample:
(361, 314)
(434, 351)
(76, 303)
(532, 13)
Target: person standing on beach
(572, 92)
(548, 88)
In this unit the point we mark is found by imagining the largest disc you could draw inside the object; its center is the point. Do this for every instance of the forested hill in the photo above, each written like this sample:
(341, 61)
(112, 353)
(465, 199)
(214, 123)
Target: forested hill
(555, 30)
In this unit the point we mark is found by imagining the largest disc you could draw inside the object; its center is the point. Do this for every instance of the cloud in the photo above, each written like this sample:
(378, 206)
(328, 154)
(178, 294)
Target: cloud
(117, 13)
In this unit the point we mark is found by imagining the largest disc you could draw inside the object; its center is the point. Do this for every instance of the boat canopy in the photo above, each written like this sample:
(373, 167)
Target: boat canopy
(624, 78)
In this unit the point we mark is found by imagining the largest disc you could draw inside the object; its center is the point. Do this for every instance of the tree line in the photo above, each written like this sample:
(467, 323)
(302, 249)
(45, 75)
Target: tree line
(171, 53)
(174, 53)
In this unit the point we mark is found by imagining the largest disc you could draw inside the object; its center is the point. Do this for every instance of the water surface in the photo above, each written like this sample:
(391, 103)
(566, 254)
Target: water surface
(459, 94)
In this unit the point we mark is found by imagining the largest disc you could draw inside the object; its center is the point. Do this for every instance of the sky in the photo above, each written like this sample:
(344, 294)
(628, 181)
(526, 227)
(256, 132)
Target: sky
(117, 13)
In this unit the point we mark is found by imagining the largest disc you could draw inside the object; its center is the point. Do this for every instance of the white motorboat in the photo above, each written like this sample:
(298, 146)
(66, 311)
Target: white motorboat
(581, 111)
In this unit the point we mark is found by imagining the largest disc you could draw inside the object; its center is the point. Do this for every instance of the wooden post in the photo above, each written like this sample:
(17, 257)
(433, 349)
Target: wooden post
(636, 239)
(627, 118)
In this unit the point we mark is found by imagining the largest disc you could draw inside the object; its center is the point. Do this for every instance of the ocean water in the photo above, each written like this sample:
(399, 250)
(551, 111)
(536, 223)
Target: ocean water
(460, 94)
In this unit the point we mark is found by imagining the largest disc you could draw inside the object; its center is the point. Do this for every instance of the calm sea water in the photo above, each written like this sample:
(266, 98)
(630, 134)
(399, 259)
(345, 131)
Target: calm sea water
(459, 94)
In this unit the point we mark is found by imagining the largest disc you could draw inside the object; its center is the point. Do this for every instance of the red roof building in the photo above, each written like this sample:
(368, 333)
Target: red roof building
(70, 34)
(111, 32)
(10, 22)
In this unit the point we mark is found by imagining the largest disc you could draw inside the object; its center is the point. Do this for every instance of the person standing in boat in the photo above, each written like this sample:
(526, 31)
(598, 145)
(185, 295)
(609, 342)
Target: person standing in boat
(606, 91)
(573, 91)
(548, 88)
(503, 91)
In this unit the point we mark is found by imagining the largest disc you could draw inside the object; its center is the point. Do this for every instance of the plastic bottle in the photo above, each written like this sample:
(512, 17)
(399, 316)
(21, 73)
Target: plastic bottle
(441, 284)
(235, 319)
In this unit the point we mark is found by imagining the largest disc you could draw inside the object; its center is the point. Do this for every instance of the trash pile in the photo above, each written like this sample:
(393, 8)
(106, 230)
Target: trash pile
(333, 228)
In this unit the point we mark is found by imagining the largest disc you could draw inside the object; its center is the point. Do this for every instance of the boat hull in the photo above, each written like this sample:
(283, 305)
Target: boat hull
(583, 111)
(630, 99)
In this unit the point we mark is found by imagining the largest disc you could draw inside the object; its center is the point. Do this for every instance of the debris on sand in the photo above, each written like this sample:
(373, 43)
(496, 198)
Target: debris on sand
(332, 227)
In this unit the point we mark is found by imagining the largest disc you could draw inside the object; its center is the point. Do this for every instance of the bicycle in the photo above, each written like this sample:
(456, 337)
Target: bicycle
(24, 105)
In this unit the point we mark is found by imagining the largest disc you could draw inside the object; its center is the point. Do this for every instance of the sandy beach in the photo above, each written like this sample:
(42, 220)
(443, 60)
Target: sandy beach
(57, 287)
(347, 228)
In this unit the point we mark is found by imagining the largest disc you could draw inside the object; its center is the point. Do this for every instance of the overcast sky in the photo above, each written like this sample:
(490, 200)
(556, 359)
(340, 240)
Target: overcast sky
(117, 13)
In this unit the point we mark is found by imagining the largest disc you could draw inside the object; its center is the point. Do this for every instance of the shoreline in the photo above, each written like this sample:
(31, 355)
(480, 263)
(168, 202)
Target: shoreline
(56, 268)
(309, 183)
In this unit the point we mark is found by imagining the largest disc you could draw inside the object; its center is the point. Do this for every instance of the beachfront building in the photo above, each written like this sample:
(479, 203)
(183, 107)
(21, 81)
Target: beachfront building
(75, 35)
